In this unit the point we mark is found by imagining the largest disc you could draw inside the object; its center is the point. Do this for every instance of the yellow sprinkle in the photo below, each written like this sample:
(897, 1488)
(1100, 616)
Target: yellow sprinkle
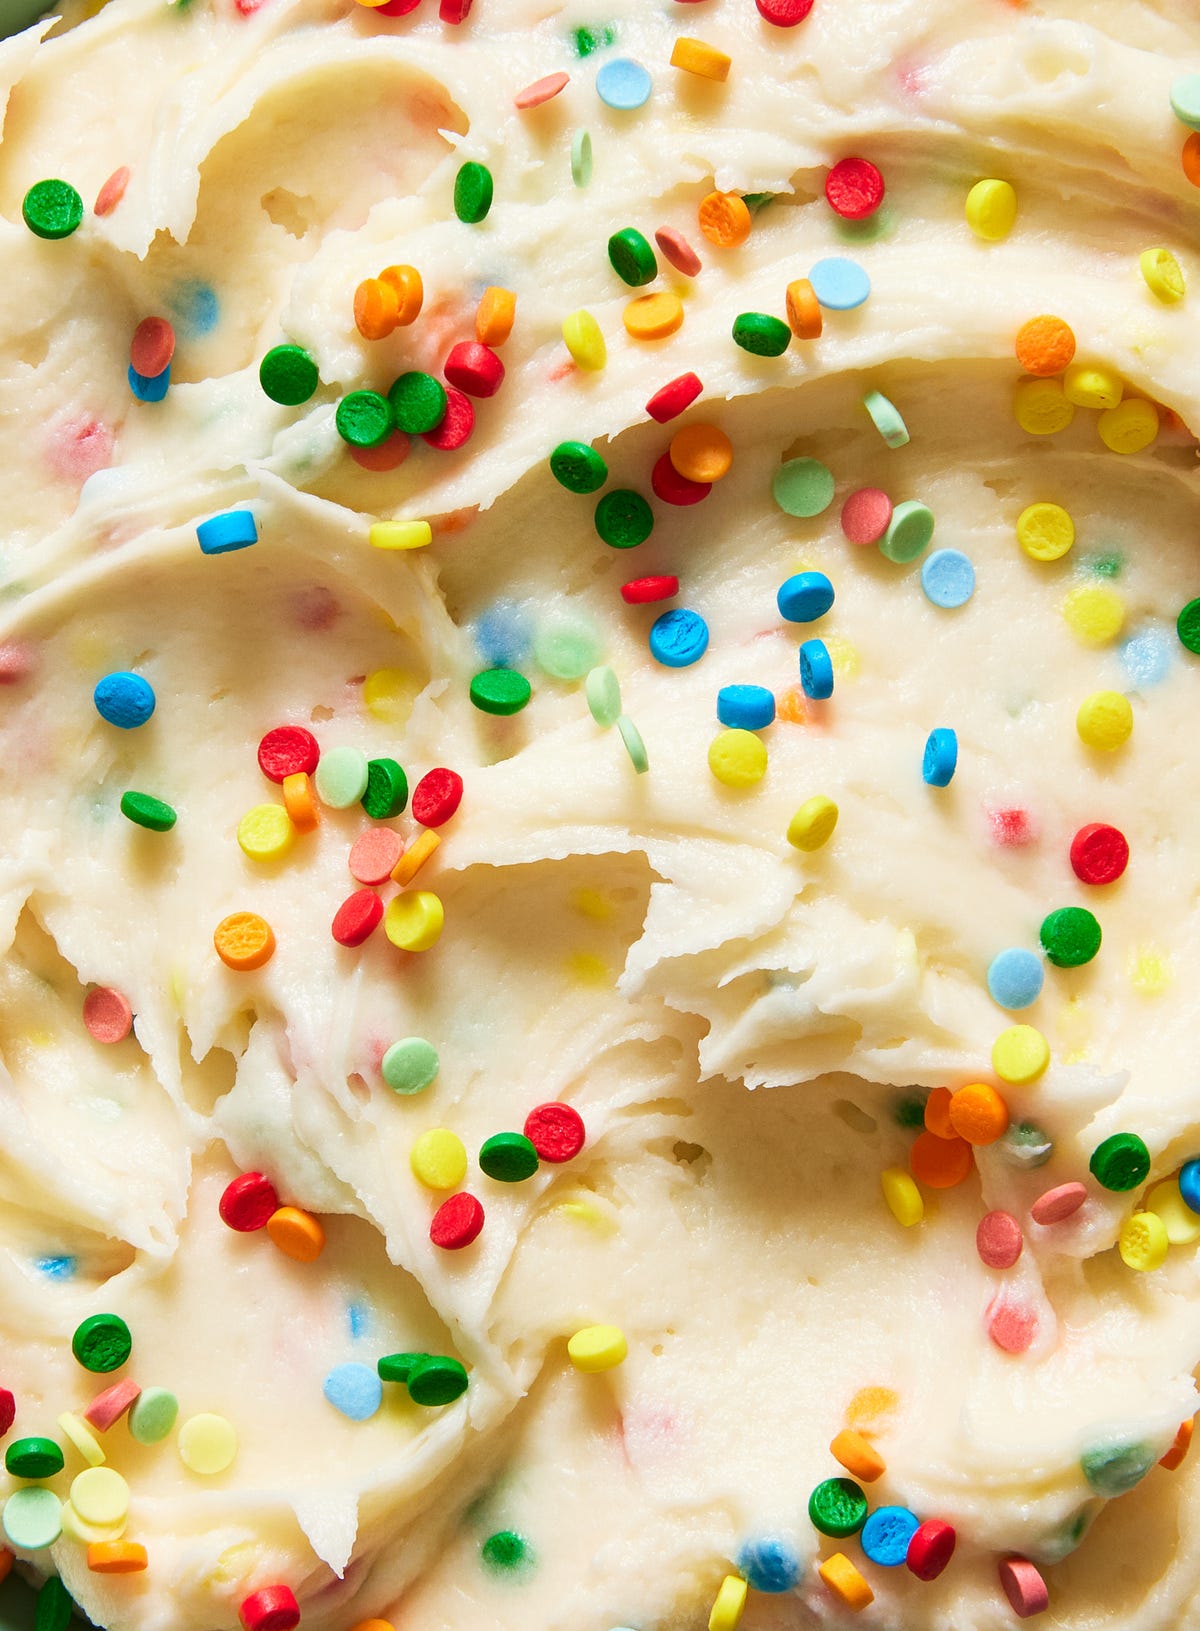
(39, 1039)
(1088, 385)
(653, 316)
(597, 1348)
(1094, 613)
(1181, 1223)
(1041, 407)
(845, 1582)
(844, 657)
(100, 1496)
(1045, 531)
(594, 903)
(588, 969)
(813, 823)
(1150, 972)
(89, 1533)
(1130, 427)
(1163, 274)
(1104, 721)
(584, 340)
(389, 694)
(1143, 1241)
(1074, 1031)
(584, 1210)
(991, 210)
(728, 1605)
(737, 758)
(1020, 1054)
(869, 1403)
(694, 57)
(439, 1159)
(400, 534)
(414, 921)
(81, 1436)
(266, 832)
(902, 1196)
(207, 1444)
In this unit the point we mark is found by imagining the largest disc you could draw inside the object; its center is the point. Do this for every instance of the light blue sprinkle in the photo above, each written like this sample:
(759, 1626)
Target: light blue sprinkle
(948, 578)
(1146, 657)
(355, 1390)
(1015, 978)
(149, 387)
(770, 1564)
(886, 1534)
(195, 307)
(359, 1317)
(941, 757)
(839, 284)
(56, 1268)
(623, 84)
(503, 634)
(678, 638)
(745, 707)
(816, 670)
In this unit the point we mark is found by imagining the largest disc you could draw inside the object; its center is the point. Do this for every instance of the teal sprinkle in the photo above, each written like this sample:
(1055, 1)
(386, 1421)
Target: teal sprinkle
(909, 1112)
(588, 40)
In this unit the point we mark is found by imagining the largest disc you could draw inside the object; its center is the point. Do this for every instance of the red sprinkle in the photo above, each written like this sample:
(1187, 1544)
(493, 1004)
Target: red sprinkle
(112, 192)
(673, 488)
(1057, 1204)
(152, 346)
(931, 1548)
(393, 450)
(357, 917)
(455, 11)
(678, 251)
(1024, 1587)
(457, 423)
(474, 368)
(8, 1410)
(542, 90)
(287, 750)
(866, 515)
(640, 591)
(854, 188)
(1099, 853)
(15, 662)
(274, 1608)
(437, 796)
(1010, 1326)
(784, 13)
(457, 1222)
(374, 853)
(998, 1240)
(555, 1131)
(108, 1407)
(397, 8)
(247, 1202)
(107, 1015)
(674, 397)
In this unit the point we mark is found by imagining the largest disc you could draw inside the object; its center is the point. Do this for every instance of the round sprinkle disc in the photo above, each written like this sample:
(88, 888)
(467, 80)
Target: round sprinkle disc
(839, 283)
(1188, 626)
(623, 84)
(1070, 937)
(803, 487)
(288, 375)
(506, 1550)
(837, 1507)
(52, 209)
(908, 532)
(102, 1343)
(500, 691)
(436, 1379)
(32, 1519)
(409, 1066)
(508, 1157)
(948, 578)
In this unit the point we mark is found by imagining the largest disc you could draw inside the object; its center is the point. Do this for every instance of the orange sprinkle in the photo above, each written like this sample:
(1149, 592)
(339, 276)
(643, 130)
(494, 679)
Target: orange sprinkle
(372, 1625)
(415, 857)
(791, 707)
(494, 317)
(978, 1113)
(725, 220)
(940, 1163)
(869, 1403)
(858, 1455)
(653, 316)
(803, 310)
(112, 192)
(1179, 1447)
(244, 941)
(303, 810)
(1191, 158)
(937, 1113)
(297, 1234)
(701, 453)
(405, 283)
(375, 309)
(1045, 346)
(845, 1582)
(116, 1557)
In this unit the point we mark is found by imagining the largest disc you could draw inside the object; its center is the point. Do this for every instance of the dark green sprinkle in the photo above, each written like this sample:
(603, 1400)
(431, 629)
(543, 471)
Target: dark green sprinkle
(364, 419)
(288, 374)
(102, 1342)
(33, 1458)
(1070, 937)
(1115, 1469)
(588, 40)
(578, 467)
(909, 1112)
(52, 209)
(632, 258)
(437, 1380)
(764, 336)
(54, 1606)
(147, 811)
(837, 1507)
(1122, 1162)
(1187, 625)
(399, 1367)
(508, 1157)
(387, 789)
(624, 519)
(418, 402)
(1026, 1145)
(1108, 565)
(756, 201)
(506, 1550)
(472, 192)
(500, 691)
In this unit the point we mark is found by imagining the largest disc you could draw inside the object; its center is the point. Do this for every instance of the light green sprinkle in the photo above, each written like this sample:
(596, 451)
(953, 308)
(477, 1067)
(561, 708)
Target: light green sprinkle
(887, 419)
(634, 746)
(909, 531)
(566, 648)
(581, 158)
(603, 692)
(152, 1415)
(32, 1518)
(803, 487)
(342, 776)
(410, 1065)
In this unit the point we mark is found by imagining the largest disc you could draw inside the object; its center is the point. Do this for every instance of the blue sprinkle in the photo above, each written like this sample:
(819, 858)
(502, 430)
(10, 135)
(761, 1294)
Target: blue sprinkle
(502, 635)
(804, 597)
(56, 1268)
(769, 1564)
(678, 638)
(886, 1534)
(125, 700)
(816, 670)
(149, 387)
(941, 758)
(234, 529)
(839, 284)
(359, 1317)
(355, 1390)
(948, 578)
(745, 707)
(195, 307)
(624, 84)
(1015, 978)
(1189, 1185)
(1146, 657)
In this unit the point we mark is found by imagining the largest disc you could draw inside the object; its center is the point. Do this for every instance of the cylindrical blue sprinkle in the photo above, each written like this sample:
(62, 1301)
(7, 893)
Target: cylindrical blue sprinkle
(355, 1390)
(1015, 978)
(149, 387)
(886, 1534)
(770, 1564)
(678, 638)
(1189, 1184)
(623, 84)
(125, 700)
(948, 578)
(941, 757)
(745, 707)
(234, 529)
(804, 597)
(839, 284)
(816, 670)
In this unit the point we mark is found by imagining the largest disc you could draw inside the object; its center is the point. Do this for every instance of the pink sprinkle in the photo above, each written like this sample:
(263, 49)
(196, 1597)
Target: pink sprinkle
(108, 1407)
(1012, 828)
(15, 662)
(1010, 1326)
(315, 608)
(112, 192)
(107, 1014)
(77, 448)
(678, 251)
(389, 455)
(542, 90)
(1057, 1204)
(1024, 1587)
(998, 1240)
(866, 515)
(374, 854)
